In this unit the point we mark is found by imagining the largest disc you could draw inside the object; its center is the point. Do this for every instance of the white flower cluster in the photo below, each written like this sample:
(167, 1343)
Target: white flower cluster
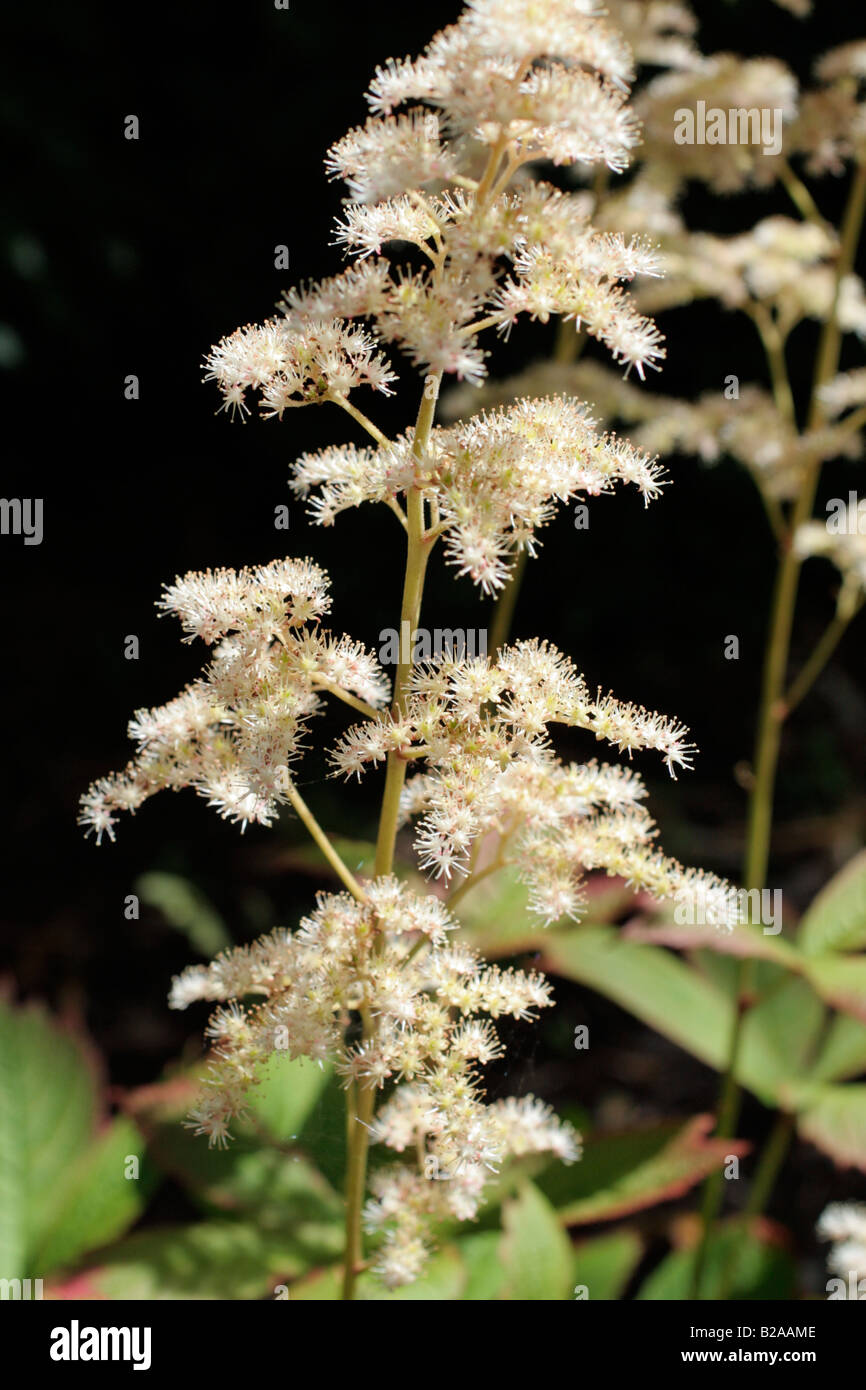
(844, 1223)
(721, 82)
(845, 546)
(328, 358)
(507, 85)
(831, 124)
(389, 960)
(232, 734)
(458, 1161)
(496, 479)
(489, 769)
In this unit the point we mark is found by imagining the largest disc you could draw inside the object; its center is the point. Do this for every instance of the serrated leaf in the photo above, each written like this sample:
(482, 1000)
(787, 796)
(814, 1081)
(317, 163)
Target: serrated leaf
(836, 920)
(48, 1115)
(250, 1177)
(104, 1195)
(623, 1173)
(266, 1164)
(535, 1251)
(779, 1035)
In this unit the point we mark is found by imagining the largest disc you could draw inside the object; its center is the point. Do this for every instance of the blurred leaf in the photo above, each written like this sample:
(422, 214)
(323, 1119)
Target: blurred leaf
(323, 1137)
(742, 1263)
(841, 981)
(485, 1274)
(843, 1054)
(442, 1281)
(210, 1259)
(779, 1035)
(185, 908)
(249, 1177)
(740, 941)
(623, 1173)
(836, 920)
(358, 855)
(495, 917)
(654, 985)
(684, 1005)
(287, 1094)
(833, 1118)
(265, 1168)
(603, 1266)
(48, 1116)
(101, 1198)
(497, 921)
(534, 1250)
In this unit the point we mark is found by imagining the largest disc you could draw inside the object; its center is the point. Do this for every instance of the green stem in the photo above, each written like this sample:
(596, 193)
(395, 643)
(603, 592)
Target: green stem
(801, 197)
(824, 649)
(503, 611)
(771, 1160)
(360, 1107)
(361, 1102)
(342, 870)
(418, 547)
(772, 708)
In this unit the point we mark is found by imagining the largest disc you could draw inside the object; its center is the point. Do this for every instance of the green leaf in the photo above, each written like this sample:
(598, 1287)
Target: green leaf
(287, 1094)
(841, 981)
(186, 909)
(323, 1137)
(247, 1178)
(836, 920)
(779, 1034)
(497, 921)
(843, 1054)
(357, 855)
(742, 1262)
(535, 1251)
(104, 1194)
(654, 985)
(603, 1266)
(741, 941)
(485, 1275)
(495, 917)
(624, 1173)
(48, 1115)
(833, 1118)
(682, 1004)
(262, 1170)
(443, 1280)
(234, 1260)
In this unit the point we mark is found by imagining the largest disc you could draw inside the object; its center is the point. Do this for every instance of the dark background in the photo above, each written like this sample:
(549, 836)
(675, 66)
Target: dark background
(126, 257)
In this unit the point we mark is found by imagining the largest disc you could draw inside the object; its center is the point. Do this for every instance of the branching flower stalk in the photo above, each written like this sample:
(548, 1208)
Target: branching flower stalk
(374, 981)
